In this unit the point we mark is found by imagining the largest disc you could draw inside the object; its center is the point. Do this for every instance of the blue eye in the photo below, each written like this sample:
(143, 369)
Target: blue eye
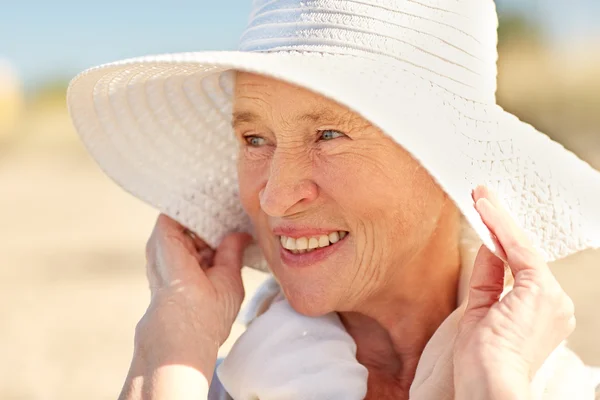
(254, 141)
(330, 134)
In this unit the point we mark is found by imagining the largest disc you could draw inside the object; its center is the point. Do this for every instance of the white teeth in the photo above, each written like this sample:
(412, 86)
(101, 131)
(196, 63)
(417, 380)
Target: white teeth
(323, 241)
(334, 237)
(302, 243)
(308, 244)
(290, 244)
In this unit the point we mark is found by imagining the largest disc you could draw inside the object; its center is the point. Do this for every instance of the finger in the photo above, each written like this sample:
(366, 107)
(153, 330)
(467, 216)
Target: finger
(519, 251)
(508, 232)
(171, 234)
(226, 272)
(168, 229)
(487, 281)
(162, 223)
(173, 250)
(203, 253)
(168, 225)
(480, 206)
(157, 266)
(231, 250)
(198, 242)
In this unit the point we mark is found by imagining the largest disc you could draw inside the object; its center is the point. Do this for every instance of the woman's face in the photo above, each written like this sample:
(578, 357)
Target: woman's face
(338, 207)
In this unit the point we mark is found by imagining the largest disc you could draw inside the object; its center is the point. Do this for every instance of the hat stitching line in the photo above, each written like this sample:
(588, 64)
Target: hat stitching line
(319, 12)
(329, 29)
(466, 116)
(436, 8)
(368, 56)
(379, 4)
(340, 11)
(290, 49)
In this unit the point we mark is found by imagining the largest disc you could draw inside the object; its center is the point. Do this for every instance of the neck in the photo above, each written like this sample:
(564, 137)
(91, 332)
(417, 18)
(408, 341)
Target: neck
(392, 328)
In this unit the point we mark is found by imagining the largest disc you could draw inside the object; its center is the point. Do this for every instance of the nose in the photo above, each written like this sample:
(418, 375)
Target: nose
(290, 188)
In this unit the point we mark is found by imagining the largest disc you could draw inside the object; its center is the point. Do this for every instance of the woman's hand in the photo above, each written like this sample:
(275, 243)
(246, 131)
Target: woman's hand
(502, 343)
(195, 297)
(182, 268)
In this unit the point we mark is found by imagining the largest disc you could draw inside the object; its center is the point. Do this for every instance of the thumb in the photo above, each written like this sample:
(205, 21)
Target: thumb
(226, 271)
(487, 283)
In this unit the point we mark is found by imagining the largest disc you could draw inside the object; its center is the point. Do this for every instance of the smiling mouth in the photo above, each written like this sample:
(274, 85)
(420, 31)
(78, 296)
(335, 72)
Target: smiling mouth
(309, 244)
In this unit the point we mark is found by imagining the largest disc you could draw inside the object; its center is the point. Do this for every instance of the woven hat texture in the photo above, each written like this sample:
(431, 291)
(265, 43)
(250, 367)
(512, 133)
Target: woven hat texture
(424, 71)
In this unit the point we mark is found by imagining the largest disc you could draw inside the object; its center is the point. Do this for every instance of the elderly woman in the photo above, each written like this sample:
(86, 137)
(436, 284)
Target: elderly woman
(361, 133)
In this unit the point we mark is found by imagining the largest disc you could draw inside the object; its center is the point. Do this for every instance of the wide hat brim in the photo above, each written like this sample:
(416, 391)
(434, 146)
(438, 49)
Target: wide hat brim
(160, 127)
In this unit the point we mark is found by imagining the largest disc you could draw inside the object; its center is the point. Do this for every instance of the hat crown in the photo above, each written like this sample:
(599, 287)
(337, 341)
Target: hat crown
(441, 40)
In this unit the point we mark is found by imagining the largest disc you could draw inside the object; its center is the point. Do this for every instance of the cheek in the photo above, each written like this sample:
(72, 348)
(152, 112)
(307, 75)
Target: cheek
(251, 180)
(384, 196)
(252, 176)
(364, 189)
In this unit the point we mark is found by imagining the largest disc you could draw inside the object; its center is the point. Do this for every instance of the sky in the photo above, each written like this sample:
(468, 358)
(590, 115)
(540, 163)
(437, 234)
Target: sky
(55, 39)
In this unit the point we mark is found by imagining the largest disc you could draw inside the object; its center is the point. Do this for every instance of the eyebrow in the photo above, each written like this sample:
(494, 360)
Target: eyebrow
(325, 114)
(242, 117)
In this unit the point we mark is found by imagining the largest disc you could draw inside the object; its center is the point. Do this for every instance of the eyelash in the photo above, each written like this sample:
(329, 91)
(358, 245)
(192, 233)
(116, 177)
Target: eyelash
(249, 138)
(330, 130)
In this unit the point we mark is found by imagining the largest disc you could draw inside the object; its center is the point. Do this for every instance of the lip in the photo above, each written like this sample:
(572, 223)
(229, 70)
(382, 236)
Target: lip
(304, 260)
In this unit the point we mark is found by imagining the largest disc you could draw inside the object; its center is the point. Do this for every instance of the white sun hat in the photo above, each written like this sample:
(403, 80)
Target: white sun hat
(424, 71)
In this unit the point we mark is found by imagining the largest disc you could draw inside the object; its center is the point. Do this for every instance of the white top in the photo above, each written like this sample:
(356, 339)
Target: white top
(286, 355)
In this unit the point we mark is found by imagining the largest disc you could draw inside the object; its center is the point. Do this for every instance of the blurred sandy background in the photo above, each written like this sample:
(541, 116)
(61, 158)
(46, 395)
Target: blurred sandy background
(72, 283)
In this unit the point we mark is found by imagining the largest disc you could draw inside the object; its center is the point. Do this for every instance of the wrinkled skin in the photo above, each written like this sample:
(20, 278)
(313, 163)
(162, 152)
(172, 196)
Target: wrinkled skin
(360, 181)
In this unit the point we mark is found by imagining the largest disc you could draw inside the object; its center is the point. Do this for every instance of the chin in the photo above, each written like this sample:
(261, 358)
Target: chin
(308, 299)
(315, 288)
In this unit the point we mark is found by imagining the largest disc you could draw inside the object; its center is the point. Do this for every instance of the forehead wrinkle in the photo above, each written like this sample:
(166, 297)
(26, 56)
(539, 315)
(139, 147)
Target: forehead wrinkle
(313, 114)
(247, 116)
(320, 115)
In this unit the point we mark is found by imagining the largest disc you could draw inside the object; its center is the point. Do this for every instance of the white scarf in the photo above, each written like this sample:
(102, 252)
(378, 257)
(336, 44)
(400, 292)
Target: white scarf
(286, 355)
